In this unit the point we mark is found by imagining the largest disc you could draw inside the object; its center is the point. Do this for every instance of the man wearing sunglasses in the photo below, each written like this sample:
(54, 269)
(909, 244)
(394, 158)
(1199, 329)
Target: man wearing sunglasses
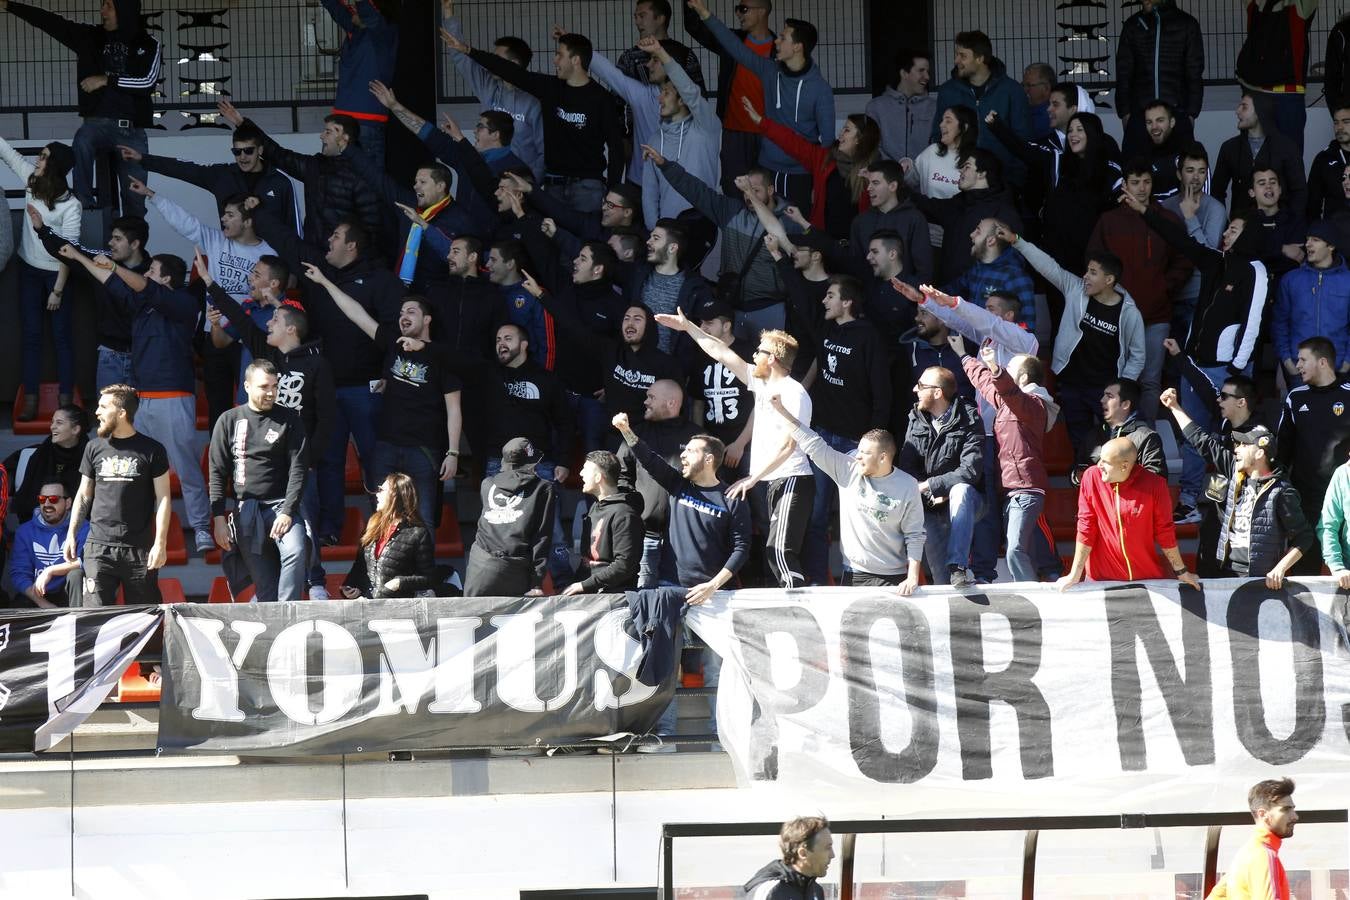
(250, 174)
(37, 568)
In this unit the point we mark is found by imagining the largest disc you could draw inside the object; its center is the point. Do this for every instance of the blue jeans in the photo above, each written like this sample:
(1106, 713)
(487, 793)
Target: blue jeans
(582, 194)
(950, 527)
(372, 141)
(668, 724)
(816, 547)
(592, 421)
(114, 367)
(356, 411)
(278, 575)
(1023, 509)
(1150, 380)
(97, 137)
(173, 422)
(420, 464)
(649, 566)
(1198, 408)
(985, 541)
(559, 555)
(34, 286)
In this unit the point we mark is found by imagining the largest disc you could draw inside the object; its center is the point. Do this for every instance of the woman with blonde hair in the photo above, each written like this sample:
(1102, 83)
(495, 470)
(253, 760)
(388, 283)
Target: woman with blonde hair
(397, 555)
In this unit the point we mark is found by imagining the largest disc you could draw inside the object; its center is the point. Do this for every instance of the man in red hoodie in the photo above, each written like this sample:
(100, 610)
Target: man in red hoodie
(1122, 510)
(1154, 273)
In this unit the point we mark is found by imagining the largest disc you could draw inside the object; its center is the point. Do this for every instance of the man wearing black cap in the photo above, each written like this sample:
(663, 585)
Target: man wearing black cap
(1263, 528)
(1314, 300)
(510, 552)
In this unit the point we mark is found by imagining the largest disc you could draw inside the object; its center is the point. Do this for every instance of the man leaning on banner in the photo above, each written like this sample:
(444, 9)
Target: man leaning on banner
(1122, 510)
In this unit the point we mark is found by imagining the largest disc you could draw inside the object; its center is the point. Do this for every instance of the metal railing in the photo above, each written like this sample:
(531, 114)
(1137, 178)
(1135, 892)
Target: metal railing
(1031, 826)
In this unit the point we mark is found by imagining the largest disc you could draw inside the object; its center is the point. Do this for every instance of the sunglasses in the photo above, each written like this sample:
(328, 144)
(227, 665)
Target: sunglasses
(1228, 395)
(49, 498)
(243, 151)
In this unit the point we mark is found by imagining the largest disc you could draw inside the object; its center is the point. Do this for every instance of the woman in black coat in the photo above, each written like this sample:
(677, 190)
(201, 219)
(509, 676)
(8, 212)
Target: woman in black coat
(397, 556)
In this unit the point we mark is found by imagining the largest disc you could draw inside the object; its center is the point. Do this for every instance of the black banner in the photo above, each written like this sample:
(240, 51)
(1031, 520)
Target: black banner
(57, 666)
(360, 675)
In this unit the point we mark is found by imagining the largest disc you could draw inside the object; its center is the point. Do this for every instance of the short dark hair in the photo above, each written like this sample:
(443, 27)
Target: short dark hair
(977, 42)
(126, 398)
(891, 239)
(1044, 71)
(676, 233)
(884, 439)
(629, 237)
(422, 303)
(603, 255)
(715, 446)
(1033, 367)
(173, 268)
(850, 290)
(355, 234)
(1194, 150)
(1007, 299)
(516, 49)
(579, 46)
(1108, 262)
(607, 463)
(1243, 387)
(472, 244)
(1320, 348)
(133, 228)
(277, 268)
(1137, 166)
(248, 133)
(439, 174)
(76, 413)
(1159, 103)
(1130, 391)
(1257, 170)
(985, 162)
(500, 123)
(348, 124)
(889, 170)
(631, 194)
(660, 7)
(240, 203)
(1264, 794)
(1068, 90)
(296, 317)
(804, 33)
(799, 833)
(512, 251)
(906, 57)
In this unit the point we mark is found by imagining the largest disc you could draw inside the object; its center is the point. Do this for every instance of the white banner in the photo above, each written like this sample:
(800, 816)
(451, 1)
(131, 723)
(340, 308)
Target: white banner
(1107, 689)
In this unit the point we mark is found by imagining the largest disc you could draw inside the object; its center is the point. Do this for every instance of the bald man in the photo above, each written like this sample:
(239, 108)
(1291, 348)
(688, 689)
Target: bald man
(1123, 510)
(665, 431)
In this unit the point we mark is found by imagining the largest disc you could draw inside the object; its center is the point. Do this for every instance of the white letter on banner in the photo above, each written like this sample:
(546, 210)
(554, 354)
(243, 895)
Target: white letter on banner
(622, 654)
(217, 669)
(570, 621)
(408, 670)
(288, 672)
(58, 642)
(515, 645)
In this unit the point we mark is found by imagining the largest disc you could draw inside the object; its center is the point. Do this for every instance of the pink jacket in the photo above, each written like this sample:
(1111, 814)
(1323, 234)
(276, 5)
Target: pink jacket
(1019, 426)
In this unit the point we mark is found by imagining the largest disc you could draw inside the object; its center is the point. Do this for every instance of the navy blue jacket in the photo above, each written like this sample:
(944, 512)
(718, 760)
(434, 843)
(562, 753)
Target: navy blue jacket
(163, 322)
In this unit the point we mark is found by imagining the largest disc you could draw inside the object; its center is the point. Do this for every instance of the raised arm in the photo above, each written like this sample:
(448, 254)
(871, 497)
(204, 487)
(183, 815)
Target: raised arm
(1042, 262)
(731, 45)
(349, 306)
(707, 343)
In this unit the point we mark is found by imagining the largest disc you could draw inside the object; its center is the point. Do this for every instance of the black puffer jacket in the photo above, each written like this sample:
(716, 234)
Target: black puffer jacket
(1235, 166)
(1278, 523)
(947, 457)
(1337, 76)
(1172, 38)
(225, 180)
(333, 189)
(409, 555)
(1326, 197)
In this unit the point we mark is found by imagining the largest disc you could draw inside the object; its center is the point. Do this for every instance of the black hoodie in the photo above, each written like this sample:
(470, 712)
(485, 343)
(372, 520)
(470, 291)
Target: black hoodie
(129, 56)
(609, 561)
(517, 519)
(1233, 290)
(779, 881)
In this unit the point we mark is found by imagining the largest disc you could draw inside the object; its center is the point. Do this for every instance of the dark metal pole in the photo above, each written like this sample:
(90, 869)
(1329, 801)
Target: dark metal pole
(1211, 859)
(846, 868)
(1029, 865)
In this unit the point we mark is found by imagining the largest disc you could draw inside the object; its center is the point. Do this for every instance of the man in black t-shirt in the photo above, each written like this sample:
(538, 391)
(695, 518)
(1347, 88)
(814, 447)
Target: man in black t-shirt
(258, 453)
(419, 425)
(723, 405)
(124, 489)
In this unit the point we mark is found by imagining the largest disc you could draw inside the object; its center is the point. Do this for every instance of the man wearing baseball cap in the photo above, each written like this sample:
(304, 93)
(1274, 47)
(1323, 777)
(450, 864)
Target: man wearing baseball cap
(515, 531)
(1263, 532)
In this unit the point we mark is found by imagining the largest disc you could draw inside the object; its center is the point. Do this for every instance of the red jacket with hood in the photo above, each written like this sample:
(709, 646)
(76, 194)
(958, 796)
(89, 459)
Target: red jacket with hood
(1154, 270)
(1019, 427)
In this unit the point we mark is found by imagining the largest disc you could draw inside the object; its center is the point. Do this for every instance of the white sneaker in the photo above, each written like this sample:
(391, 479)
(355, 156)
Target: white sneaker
(318, 592)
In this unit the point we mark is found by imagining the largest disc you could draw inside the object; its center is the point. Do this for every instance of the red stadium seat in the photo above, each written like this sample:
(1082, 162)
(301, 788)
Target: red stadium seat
(220, 592)
(133, 687)
(177, 555)
(353, 480)
(170, 591)
(203, 411)
(1061, 512)
(1058, 450)
(449, 540)
(348, 539)
(48, 399)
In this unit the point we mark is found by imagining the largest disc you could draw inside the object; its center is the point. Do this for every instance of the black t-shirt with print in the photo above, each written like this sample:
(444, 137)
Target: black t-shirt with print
(415, 384)
(1096, 358)
(727, 403)
(124, 472)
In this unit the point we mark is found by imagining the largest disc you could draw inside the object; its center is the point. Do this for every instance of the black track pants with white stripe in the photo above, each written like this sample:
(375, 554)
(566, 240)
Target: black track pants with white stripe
(790, 501)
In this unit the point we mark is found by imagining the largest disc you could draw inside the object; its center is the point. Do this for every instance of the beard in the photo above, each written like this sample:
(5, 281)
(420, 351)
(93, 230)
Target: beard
(105, 429)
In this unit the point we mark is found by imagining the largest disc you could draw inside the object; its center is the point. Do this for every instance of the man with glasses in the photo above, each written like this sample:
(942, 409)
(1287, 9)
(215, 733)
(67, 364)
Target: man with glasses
(250, 174)
(37, 569)
(740, 138)
(1037, 79)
